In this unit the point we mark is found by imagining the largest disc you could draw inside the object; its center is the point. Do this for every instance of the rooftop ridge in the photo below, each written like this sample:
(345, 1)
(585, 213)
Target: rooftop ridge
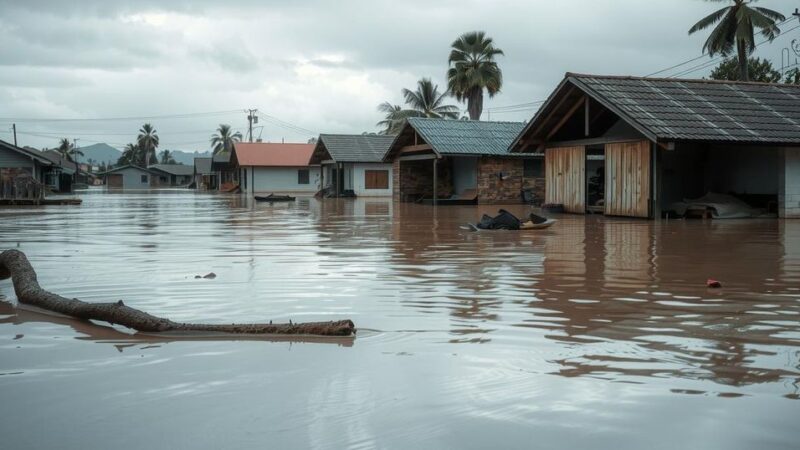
(682, 80)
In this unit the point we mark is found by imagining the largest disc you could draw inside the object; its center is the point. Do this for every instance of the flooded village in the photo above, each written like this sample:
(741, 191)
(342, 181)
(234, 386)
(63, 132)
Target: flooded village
(601, 257)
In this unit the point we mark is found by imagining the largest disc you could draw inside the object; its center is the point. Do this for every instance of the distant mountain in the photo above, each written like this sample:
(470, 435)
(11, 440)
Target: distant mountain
(108, 154)
(100, 153)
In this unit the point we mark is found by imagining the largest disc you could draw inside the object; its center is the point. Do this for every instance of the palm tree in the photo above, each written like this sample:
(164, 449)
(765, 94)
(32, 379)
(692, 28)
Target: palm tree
(167, 158)
(427, 101)
(395, 117)
(130, 155)
(148, 143)
(67, 150)
(224, 138)
(473, 70)
(737, 23)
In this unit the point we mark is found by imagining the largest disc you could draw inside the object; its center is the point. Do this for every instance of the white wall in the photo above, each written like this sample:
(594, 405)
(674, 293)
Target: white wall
(265, 180)
(358, 179)
(789, 183)
(132, 178)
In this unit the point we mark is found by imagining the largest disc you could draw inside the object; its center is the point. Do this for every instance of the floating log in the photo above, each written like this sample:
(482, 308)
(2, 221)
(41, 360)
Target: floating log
(15, 265)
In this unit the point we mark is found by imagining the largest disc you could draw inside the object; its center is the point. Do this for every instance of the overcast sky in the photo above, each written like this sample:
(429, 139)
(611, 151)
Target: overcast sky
(321, 66)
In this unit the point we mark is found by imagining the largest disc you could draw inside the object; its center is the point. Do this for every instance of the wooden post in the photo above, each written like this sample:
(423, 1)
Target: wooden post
(586, 117)
(435, 181)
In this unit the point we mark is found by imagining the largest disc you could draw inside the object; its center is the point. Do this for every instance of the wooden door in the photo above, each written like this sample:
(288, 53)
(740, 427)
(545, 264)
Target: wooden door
(565, 178)
(114, 180)
(627, 181)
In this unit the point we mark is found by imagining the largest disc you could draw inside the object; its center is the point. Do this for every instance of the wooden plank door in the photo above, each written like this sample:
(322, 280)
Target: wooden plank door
(565, 178)
(628, 179)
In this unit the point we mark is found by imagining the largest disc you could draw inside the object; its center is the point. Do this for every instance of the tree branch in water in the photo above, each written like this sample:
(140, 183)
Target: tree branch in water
(14, 264)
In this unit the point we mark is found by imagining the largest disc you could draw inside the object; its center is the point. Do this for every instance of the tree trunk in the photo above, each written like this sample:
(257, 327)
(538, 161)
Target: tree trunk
(475, 104)
(741, 50)
(14, 265)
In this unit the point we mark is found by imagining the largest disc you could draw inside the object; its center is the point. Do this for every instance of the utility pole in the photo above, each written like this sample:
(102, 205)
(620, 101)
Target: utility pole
(251, 119)
(796, 13)
(14, 127)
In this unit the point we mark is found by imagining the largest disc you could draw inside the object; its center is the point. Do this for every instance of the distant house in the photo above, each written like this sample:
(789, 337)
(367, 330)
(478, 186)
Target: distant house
(131, 177)
(354, 162)
(172, 174)
(461, 161)
(204, 176)
(268, 168)
(62, 175)
(224, 170)
(23, 172)
(629, 146)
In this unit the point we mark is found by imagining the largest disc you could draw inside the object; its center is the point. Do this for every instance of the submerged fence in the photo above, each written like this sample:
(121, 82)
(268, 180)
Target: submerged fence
(19, 185)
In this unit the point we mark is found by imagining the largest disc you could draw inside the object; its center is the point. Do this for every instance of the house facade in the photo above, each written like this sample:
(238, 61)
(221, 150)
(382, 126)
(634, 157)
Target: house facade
(23, 172)
(462, 162)
(130, 177)
(204, 177)
(172, 175)
(627, 146)
(352, 164)
(264, 168)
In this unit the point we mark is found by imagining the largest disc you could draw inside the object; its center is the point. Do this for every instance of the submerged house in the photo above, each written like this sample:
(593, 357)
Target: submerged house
(224, 171)
(130, 177)
(275, 168)
(23, 172)
(354, 163)
(629, 146)
(204, 176)
(61, 176)
(462, 161)
(172, 174)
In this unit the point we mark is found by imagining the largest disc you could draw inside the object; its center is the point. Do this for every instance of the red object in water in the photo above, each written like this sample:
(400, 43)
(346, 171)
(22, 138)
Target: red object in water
(712, 283)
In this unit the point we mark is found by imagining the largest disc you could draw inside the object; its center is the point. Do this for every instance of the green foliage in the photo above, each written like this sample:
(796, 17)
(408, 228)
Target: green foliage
(424, 101)
(67, 150)
(473, 69)
(166, 157)
(224, 138)
(792, 76)
(735, 29)
(130, 155)
(757, 70)
(148, 143)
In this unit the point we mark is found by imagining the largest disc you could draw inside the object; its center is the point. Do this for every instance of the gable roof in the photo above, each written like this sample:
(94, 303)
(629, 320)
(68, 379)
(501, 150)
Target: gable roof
(126, 166)
(58, 159)
(173, 169)
(460, 137)
(351, 147)
(203, 165)
(272, 155)
(671, 109)
(27, 153)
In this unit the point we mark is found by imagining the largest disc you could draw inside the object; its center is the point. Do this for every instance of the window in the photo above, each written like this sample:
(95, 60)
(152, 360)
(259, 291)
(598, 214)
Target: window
(533, 168)
(161, 179)
(144, 178)
(302, 176)
(376, 179)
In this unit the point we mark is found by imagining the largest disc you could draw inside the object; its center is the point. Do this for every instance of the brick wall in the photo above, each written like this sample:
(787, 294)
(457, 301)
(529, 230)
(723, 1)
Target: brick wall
(494, 189)
(414, 179)
(789, 183)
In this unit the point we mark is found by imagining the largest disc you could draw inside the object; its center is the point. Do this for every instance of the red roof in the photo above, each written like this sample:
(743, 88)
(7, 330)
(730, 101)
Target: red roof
(273, 155)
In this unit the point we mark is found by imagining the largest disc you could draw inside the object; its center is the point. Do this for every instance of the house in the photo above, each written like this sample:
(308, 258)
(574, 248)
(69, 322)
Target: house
(354, 162)
(23, 172)
(131, 177)
(271, 168)
(461, 161)
(172, 174)
(628, 146)
(226, 174)
(204, 176)
(62, 174)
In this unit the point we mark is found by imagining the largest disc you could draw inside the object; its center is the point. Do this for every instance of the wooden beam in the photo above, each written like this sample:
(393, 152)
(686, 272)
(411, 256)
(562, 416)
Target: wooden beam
(565, 118)
(415, 148)
(555, 108)
(586, 117)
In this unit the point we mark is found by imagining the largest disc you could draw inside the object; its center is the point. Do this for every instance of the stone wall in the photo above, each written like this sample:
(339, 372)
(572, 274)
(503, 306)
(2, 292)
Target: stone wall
(414, 179)
(789, 183)
(493, 189)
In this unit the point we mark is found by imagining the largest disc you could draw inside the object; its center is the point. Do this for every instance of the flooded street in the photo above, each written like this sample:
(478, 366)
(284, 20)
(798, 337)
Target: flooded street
(596, 333)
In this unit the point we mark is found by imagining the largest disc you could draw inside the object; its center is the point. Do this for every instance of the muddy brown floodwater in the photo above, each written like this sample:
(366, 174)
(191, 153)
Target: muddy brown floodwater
(596, 333)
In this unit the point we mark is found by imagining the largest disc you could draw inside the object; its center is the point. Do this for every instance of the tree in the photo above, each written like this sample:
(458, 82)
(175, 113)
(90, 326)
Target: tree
(312, 140)
(792, 76)
(148, 143)
(736, 25)
(427, 101)
(130, 155)
(67, 150)
(757, 70)
(394, 119)
(224, 138)
(166, 157)
(473, 69)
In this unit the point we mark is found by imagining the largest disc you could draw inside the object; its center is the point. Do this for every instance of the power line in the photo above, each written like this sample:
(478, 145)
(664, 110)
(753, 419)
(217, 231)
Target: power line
(120, 119)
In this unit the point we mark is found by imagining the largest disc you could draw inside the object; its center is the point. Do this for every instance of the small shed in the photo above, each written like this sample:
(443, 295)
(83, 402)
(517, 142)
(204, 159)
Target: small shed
(275, 168)
(636, 147)
(173, 174)
(461, 161)
(354, 162)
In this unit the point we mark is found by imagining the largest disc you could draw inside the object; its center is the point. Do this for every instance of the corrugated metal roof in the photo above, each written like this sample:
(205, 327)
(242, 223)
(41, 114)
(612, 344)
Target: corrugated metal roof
(68, 167)
(28, 153)
(173, 169)
(203, 165)
(356, 147)
(467, 137)
(701, 110)
(273, 154)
